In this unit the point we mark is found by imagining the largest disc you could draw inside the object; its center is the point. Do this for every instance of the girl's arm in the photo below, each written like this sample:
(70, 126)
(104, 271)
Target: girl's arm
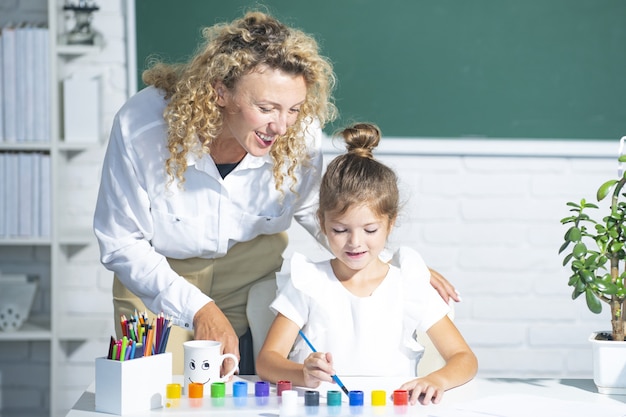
(273, 365)
(461, 364)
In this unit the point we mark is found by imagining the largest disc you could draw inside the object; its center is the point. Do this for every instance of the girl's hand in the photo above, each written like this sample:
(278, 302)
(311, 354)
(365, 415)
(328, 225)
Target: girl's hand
(424, 390)
(318, 368)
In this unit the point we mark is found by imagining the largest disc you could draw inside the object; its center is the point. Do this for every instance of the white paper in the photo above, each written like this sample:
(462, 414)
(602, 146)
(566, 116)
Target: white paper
(530, 406)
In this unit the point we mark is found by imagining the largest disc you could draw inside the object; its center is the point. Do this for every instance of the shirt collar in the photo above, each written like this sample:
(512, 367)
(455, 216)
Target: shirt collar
(204, 162)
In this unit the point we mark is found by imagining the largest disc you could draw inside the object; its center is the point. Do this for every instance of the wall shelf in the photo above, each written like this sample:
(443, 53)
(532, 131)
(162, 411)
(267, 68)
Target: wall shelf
(69, 51)
(33, 329)
(40, 234)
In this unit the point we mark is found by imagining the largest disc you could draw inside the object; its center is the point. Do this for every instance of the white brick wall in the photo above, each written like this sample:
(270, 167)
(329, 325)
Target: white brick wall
(491, 225)
(485, 214)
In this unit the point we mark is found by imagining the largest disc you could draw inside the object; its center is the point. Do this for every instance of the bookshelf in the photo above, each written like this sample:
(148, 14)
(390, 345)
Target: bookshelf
(36, 238)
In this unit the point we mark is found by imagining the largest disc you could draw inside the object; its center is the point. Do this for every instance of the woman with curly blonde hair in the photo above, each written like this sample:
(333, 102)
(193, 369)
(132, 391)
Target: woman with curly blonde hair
(205, 170)
(254, 44)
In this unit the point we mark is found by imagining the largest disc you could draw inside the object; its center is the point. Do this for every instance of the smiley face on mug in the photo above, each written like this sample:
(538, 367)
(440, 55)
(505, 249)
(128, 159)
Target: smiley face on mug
(199, 371)
(203, 362)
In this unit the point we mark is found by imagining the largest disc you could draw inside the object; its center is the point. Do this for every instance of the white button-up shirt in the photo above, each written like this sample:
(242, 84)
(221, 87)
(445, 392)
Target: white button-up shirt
(139, 221)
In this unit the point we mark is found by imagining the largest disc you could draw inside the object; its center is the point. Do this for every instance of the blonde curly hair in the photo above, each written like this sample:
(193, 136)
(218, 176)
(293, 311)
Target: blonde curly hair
(230, 51)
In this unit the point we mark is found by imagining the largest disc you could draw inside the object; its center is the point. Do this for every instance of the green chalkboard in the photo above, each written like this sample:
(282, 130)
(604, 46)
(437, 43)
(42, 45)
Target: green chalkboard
(443, 68)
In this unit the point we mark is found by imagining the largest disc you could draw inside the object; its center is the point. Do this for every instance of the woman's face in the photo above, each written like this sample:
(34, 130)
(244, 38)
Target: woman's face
(261, 106)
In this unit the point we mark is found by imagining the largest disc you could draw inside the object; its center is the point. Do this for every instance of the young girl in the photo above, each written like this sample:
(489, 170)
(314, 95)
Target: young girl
(358, 311)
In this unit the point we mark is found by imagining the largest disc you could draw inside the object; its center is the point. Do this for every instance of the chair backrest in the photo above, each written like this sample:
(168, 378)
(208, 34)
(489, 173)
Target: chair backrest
(260, 317)
(431, 360)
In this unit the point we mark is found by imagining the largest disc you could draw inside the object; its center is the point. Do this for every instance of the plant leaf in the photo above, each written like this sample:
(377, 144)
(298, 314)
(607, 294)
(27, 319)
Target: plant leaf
(573, 280)
(573, 234)
(576, 293)
(604, 189)
(616, 246)
(586, 275)
(607, 288)
(580, 249)
(567, 258)
(593, 303)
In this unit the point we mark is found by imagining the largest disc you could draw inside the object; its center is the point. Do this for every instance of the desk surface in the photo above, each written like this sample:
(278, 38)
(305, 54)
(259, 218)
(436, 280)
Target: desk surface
(478, 398)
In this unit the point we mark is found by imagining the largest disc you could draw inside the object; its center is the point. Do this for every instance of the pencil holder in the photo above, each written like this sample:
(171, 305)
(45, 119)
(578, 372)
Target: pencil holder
(136, 385)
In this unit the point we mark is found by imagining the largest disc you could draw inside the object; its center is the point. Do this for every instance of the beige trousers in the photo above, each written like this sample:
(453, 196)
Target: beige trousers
(226, 280)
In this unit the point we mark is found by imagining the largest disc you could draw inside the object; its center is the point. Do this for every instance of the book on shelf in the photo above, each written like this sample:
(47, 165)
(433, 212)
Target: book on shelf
(25, 187)
(9, 87)
(81, 109)
(24, 84)
(45, 207)
(30, 94)
(10, 190)
(42, 86)
(21, 78)
(35, 194)
(24, 194)
(1, 95)
(3, 198)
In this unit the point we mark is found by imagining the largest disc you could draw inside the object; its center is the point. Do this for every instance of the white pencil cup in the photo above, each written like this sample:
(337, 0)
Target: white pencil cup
(136, 385)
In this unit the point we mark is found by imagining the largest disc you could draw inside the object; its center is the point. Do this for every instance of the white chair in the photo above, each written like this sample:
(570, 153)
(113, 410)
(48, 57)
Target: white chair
(260, 318)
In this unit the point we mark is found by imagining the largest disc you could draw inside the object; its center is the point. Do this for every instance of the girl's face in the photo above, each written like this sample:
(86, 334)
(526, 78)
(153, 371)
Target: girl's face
(260, 108)
(357, 236)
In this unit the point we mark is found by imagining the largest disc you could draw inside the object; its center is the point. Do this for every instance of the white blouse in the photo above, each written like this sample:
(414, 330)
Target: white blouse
(139, 222)
(367, 336)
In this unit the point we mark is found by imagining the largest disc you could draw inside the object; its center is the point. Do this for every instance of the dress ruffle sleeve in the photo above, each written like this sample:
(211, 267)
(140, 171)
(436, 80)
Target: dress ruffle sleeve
(302, 286)
(423, 306)
(301, 283)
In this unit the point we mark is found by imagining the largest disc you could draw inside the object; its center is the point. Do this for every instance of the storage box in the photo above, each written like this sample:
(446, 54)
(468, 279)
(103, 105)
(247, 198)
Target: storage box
(136, 385)
(81, 109)
(16, 299)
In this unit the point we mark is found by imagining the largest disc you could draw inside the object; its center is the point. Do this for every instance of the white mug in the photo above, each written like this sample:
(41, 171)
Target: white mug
(203, 363)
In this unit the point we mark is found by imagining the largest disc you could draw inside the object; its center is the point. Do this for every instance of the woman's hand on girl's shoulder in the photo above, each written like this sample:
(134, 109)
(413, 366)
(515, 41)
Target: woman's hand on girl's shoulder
(443, 287)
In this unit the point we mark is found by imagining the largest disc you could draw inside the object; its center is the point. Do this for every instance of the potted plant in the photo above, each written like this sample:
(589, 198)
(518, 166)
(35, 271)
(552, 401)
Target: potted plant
(596, 252)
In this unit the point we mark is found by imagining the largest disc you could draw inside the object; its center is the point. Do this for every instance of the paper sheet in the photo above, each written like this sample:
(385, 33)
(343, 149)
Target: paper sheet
(528, 405)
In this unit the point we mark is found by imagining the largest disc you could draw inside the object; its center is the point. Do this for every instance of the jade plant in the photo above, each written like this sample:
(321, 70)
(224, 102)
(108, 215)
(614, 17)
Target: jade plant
(597, 252)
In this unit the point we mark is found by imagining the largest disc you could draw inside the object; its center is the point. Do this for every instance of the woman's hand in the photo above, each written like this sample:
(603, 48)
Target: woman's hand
(210, 323)
(318, 367)
(443, 287)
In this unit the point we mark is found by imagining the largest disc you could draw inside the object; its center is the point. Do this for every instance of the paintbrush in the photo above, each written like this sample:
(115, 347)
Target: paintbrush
(334, 377)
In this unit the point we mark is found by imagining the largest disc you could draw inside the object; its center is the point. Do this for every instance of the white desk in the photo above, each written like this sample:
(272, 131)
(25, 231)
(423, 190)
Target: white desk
(478, 398)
